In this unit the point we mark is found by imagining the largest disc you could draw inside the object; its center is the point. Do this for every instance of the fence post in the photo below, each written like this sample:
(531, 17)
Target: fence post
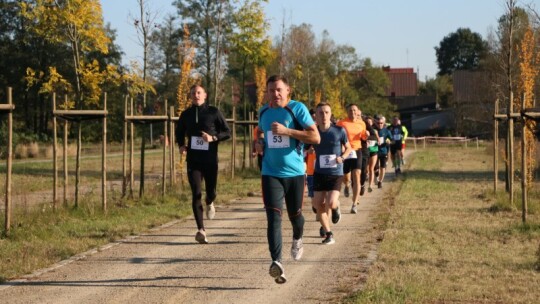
(55, 156)
(124, 151)
(233, 149)
(104, 157)
(165, 141)
(9, 162)
(496, 148)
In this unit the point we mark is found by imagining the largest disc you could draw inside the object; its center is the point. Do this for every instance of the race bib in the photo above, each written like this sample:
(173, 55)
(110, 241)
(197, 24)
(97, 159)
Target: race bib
(371, 143)
(198, 143)
(397, 136)
(277, 141)
(328, 161)
(352, 155)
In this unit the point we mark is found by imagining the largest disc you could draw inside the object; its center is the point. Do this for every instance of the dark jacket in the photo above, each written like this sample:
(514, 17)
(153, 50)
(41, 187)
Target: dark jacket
(202, 118)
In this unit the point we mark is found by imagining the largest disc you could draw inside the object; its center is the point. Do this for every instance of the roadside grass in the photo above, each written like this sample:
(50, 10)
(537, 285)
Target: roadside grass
(41, 236)
(449, 238)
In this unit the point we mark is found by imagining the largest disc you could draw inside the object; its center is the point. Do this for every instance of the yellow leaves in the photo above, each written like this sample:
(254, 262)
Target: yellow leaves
(529, 59)
(186, 55)
(76, 21)
(260, 81)
(134, 81)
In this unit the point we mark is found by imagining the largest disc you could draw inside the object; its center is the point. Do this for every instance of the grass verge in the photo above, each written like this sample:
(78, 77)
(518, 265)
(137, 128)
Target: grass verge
(448, 238)
(41, 236)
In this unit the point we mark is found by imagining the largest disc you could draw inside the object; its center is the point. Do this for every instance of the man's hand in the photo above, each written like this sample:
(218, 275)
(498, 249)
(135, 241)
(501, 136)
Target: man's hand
(207, 137)
(279, 129)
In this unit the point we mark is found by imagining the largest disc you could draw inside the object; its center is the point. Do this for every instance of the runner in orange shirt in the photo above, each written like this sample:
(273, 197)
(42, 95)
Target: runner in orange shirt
(356, 131)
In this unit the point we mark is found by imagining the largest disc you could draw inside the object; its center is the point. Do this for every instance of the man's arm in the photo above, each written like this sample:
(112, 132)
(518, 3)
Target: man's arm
(310, 135)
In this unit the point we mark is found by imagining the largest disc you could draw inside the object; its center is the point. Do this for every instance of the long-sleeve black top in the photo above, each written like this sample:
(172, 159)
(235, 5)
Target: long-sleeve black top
(201, 118)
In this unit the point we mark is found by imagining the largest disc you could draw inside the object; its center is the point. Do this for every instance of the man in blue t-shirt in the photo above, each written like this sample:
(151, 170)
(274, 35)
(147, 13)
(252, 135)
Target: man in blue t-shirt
(328, 175)
(284, 125)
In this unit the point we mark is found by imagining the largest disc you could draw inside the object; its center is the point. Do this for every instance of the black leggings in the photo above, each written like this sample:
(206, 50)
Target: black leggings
(363, 174)
(196, 173)
(275, 190)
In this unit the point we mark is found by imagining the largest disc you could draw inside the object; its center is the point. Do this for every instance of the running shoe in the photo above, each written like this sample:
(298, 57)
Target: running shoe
(201, 237)
(277, 272)
(379, 184)
(369, 189)
(347, 190)
(322, 233)
(297, 249)
(362, 190)
(353, 209)
(329, 239)
(314, 210)
(210, 211)
(336, 215)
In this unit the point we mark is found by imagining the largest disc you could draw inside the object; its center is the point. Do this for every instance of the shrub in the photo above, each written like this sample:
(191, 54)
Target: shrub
(33, 150)
(21, 151)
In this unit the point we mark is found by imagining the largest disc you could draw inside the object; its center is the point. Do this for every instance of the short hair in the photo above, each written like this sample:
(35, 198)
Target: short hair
(196, 86)
(276, 78)
(322, 104)
(350, 105)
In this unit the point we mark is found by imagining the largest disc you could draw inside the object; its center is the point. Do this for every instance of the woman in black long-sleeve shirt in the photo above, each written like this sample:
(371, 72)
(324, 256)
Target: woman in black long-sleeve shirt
(204, 127)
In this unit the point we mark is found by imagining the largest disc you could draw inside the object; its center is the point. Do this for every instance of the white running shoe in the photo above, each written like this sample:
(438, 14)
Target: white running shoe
(297, 249)
(277, 272)
(201, 237)
(210, 211)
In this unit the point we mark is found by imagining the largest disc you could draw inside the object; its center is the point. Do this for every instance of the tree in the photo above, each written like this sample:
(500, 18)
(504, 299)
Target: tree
(78, 23)
(461, 50)
(164, 64)
(440, 87)
(251, 45)
(203, 19)
(371, 86)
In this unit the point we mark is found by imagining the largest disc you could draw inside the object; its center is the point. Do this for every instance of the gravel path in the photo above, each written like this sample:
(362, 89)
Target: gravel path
(166, 265)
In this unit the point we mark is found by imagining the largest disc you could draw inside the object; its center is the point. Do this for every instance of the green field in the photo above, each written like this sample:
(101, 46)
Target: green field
(449, 239)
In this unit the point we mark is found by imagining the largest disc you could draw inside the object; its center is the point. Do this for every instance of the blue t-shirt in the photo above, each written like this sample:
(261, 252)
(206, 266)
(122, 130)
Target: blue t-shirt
(329, 149)
(283, 155)
(384, 134)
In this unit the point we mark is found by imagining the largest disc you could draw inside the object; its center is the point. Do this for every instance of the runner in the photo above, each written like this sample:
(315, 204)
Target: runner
(205, 127)
(328, 170)
(286, 124)
(253, 151)
(402, 151)
(356, 131)
(309, 159)
(385, 137)
(373, 148)
(397, 140)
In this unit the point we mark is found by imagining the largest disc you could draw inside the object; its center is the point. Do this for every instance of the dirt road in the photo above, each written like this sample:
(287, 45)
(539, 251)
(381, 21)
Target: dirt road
(166, 265)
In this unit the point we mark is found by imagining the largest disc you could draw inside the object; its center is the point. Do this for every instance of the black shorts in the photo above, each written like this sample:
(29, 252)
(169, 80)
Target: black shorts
(395, 147)
(353, 163)
(325, 182)
(383, 158)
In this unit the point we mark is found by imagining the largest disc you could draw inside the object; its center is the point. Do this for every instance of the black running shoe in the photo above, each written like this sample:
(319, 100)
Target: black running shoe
(336, 215)
(362, 190)
(379, 184)
(322, 233)
(329, 239)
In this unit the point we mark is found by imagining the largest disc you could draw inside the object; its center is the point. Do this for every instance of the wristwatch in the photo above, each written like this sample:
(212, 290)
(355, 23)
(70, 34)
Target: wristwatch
(214, 138)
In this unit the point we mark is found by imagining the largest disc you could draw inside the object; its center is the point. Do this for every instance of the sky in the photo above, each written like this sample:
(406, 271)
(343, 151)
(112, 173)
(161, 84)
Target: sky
(398, 33)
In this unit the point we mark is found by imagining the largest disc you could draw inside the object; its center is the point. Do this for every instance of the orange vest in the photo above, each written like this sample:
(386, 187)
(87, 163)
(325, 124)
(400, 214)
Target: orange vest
(356, 131)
